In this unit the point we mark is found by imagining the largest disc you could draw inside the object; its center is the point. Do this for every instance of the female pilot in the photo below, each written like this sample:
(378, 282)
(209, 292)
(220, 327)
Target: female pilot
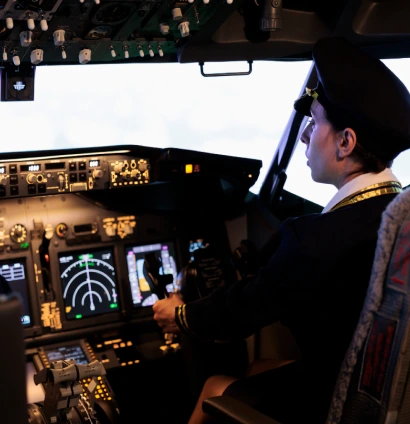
(316, 280)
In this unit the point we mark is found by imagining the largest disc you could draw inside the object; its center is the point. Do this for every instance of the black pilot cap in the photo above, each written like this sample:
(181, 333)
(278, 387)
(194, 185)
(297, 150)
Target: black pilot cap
(363, 94)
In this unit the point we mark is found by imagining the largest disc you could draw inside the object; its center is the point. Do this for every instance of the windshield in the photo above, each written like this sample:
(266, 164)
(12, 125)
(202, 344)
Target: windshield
(172, 105)
(158, 105)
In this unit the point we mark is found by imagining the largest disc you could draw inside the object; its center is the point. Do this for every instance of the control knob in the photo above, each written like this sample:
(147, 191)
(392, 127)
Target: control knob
(31, 178)
(61, 181)
(118, 168)
(9, 22)
(142, 166)
(61, 230)
(18, 233)
(97, 173)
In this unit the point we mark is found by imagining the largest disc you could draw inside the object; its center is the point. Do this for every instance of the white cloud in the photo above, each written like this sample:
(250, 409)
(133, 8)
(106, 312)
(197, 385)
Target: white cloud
(85, 133)
(152, 132)
(36, 133)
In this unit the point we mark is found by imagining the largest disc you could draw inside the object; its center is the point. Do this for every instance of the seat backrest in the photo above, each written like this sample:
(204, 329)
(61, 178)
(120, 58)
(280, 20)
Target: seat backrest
(374, 383)
(13, 399)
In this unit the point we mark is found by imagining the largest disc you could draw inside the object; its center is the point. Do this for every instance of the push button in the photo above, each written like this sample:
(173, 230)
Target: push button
(31, 189)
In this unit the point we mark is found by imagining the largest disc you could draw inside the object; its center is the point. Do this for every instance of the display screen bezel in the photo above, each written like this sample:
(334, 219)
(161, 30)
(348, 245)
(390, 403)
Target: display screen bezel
(134, 289)
(95, 317)
(54, 349)
(31, 167)
(22, 289)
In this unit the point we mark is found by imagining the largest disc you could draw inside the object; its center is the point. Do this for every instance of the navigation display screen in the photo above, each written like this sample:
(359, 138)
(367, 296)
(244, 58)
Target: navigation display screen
(142, 287)
(62, 353)
(14, 271)
(89, 283)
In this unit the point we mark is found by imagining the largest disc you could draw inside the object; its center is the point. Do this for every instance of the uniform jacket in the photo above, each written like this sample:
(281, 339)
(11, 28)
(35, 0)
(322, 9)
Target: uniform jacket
(314, 283)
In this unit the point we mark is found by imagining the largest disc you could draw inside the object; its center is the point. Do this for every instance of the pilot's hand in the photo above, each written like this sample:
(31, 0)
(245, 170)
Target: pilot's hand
(164, 313)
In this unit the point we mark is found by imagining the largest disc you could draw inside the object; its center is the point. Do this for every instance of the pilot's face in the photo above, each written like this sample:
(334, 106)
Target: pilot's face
(319, 137)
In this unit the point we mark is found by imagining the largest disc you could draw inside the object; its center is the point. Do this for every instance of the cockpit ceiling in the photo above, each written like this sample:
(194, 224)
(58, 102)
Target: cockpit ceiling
(54, 32)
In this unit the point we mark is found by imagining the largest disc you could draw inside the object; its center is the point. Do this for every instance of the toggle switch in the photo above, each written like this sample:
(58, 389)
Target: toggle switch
(184, 28)
(30, 23)
(9, 23)
(59, 37)
(84, 56)
(36, 56)
(43, 24)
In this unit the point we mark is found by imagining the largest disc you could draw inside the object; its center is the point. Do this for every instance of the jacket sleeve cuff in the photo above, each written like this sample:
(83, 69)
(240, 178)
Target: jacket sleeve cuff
(181, 321)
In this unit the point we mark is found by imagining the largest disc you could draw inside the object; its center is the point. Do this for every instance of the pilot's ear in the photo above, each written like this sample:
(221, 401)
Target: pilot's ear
(346, 143)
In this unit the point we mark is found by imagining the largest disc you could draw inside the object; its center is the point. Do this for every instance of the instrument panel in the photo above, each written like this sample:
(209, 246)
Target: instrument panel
(76, 253)
(73, 31)
(80, 351)
(79, 264)
(71, 174)
(76, 259)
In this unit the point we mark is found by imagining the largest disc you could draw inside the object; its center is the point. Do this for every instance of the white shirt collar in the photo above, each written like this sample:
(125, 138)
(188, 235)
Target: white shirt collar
(359, 183)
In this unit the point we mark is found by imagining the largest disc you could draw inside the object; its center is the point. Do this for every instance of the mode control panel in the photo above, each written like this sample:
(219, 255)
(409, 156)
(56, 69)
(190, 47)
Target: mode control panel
(19, 178)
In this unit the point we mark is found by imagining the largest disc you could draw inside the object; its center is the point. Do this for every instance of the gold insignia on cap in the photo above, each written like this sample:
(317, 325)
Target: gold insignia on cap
(312, 93)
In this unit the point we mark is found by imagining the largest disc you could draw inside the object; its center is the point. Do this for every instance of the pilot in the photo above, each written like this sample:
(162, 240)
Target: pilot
(315, 281)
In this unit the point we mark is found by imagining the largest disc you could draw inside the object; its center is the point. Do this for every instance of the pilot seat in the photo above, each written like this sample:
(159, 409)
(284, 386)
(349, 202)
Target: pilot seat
(373, 385)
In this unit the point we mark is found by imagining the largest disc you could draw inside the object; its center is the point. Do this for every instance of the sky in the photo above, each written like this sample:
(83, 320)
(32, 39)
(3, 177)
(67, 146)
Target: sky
(171, 105)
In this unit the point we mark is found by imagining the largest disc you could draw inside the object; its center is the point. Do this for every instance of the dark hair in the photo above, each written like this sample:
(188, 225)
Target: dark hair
(369, 161)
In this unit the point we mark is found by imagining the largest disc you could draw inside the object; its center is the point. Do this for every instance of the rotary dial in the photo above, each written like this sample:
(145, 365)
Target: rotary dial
(18, 233)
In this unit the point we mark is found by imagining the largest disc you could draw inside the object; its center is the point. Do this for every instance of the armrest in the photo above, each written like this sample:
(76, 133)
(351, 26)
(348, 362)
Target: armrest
(229, 410)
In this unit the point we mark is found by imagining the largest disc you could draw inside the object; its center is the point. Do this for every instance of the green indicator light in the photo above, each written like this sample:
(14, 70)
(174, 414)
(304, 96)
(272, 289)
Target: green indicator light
(78, 316)
(24, 245)
(86, 256)
(89, 264)
(113, 305)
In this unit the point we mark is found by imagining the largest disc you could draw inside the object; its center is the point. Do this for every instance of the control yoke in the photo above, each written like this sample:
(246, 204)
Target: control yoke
(161, 281)
(63, 389)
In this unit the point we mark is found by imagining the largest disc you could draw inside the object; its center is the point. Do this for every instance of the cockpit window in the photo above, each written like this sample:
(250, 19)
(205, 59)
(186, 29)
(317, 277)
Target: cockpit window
(158, 105)
(173, 105)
